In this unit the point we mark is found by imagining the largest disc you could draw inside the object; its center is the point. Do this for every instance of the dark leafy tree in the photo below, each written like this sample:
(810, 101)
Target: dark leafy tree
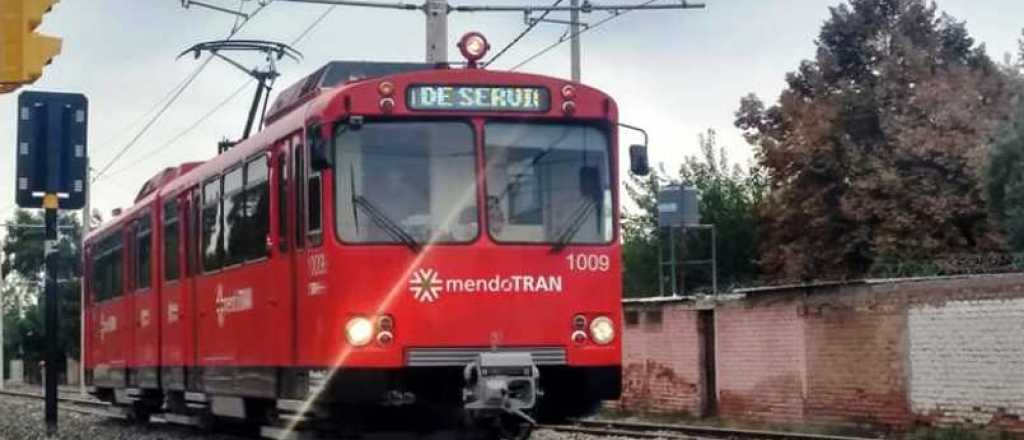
(875, 149)
(23, 275)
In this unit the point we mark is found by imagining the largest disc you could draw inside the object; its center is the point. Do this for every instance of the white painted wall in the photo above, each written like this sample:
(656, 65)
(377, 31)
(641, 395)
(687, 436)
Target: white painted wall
(967, 359)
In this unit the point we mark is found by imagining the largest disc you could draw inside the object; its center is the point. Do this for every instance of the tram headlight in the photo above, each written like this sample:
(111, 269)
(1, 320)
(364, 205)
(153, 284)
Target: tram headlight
(359, 331)
(602, 331)
(386, 89)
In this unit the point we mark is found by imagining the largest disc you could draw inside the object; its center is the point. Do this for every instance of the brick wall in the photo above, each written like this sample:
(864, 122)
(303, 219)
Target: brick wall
(662, 360)
(887, 354)
(967, 359)
(760, 362)
(855, 369)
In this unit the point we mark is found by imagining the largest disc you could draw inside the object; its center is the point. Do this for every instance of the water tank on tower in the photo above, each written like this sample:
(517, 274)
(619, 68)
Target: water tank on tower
(678, 206)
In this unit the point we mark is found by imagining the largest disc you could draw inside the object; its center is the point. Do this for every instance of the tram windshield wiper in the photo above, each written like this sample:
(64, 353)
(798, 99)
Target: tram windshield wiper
(385, 222)
(583, 211)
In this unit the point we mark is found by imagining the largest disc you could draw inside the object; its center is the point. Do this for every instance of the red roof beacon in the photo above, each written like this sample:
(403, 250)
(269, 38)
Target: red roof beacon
(473, 47)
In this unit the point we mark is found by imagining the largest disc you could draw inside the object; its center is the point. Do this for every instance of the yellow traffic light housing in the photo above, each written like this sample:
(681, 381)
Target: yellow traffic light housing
(23, 52)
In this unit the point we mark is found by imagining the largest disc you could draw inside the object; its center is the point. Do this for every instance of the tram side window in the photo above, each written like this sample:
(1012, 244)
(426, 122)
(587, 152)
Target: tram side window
(282, 203)
(256, 221)
(143, 252)
(315, 215)
(300, 171)
(211, 226)
(172, 240)
(107, 267)
(192, 235)
(234, 217)
(314, 219)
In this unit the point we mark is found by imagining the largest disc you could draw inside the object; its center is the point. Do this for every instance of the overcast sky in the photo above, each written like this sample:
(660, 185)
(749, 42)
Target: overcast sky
(676, 73)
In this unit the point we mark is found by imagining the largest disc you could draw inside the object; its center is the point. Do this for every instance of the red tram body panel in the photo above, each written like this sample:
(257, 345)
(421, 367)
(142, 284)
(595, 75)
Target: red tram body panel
(385, 230)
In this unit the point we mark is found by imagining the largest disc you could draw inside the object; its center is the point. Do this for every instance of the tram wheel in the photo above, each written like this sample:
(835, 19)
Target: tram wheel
(139, 414)
(512, 428)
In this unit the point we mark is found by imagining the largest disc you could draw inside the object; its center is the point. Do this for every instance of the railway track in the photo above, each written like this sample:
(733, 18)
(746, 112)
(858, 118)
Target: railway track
(674, 431)
(78, 405)
(597, 428)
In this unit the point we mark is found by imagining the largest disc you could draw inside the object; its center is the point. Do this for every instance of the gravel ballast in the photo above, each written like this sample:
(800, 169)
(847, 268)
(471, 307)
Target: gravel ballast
(22, 419)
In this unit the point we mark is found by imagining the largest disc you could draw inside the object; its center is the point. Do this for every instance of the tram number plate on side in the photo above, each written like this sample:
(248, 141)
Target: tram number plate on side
(588, 262)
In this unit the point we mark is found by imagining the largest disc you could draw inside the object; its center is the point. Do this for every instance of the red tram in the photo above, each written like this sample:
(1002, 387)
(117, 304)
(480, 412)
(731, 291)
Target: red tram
(397, 236)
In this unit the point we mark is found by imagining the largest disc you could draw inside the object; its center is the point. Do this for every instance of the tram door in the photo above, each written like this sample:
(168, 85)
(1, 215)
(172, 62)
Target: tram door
(283, 243)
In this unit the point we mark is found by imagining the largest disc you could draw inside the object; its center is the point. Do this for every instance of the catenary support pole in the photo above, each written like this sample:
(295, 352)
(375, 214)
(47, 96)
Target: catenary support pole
(437, 30)
(50, 286)
(574, 29)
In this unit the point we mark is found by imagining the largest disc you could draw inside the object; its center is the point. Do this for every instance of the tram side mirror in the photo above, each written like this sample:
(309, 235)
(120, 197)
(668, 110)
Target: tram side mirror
(638, 163)
(319, 156)
(590, 182)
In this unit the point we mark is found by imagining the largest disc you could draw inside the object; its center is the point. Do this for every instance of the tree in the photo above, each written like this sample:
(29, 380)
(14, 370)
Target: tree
(1005, 180)
(23, 275)
(875, 149)
(1005, 170)
(728, 197)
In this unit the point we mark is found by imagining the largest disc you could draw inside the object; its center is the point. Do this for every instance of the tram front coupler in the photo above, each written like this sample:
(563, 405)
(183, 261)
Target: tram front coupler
(501, 383)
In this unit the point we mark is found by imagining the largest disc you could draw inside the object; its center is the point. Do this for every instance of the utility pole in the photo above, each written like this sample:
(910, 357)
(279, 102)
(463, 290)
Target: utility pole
(437, 30)
(574, 28)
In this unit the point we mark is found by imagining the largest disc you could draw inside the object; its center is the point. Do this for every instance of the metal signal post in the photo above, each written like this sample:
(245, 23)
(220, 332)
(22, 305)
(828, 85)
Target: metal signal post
(51, 174)
(50, 204)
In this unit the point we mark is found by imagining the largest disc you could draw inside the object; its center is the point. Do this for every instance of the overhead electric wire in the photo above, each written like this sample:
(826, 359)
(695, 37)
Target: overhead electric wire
(152, 120)
(522, 34)
(570, 37)
(174, 97)
(149, 154)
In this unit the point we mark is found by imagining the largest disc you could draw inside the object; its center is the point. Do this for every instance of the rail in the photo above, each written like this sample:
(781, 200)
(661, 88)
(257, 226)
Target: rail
(78, 405)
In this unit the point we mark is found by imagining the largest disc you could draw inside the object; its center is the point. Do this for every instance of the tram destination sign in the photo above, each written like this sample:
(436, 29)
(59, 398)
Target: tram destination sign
(479, 98)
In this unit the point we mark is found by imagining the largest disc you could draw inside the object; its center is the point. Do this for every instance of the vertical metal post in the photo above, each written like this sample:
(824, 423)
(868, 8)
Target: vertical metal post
(714, 260)
(672, 259)
(3, 361)
(86, 227)
(437, 30)
(574, 29)
(661, 266)
(50, 286)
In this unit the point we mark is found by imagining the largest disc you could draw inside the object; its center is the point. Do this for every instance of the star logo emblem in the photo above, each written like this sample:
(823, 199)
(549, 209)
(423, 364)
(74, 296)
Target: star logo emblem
(425, 285)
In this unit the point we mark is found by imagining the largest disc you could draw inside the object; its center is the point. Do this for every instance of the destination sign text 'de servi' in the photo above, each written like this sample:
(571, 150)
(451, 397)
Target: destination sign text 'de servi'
(479, 98)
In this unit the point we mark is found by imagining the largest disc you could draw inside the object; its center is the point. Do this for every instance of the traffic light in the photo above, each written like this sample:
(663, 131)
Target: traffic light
(23, 52)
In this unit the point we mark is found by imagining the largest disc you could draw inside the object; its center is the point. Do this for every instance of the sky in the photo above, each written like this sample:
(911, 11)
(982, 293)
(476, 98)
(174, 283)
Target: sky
(675, 73)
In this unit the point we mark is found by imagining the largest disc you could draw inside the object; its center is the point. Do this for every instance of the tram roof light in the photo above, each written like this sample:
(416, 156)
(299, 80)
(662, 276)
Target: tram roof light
(473, 47)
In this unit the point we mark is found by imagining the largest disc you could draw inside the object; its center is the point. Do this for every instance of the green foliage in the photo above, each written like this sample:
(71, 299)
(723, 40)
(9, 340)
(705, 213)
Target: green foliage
(1005, 179)
(729, 196)
(23, 276)
(875, 149)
